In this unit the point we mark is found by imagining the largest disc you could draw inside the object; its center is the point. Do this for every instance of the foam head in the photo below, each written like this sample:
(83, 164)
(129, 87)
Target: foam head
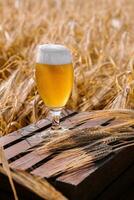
(53, 54)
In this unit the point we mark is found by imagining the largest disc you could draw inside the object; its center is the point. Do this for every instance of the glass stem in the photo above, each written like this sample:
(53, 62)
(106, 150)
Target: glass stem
(55, 119)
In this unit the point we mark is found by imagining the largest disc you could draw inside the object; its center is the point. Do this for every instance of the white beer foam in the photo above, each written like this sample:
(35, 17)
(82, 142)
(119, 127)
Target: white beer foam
(53, 54)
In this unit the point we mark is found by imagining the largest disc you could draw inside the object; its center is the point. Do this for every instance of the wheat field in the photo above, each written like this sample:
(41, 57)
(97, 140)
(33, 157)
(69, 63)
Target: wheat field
(100, 35)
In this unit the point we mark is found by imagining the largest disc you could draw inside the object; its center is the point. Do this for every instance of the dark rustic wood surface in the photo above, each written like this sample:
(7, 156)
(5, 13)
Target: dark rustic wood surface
(111, 179)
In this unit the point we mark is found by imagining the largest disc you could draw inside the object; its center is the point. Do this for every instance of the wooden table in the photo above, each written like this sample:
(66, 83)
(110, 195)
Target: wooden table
(111, 179)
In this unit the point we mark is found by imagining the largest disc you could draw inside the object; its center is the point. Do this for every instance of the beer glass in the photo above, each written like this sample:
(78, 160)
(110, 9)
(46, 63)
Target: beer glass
(54, 78)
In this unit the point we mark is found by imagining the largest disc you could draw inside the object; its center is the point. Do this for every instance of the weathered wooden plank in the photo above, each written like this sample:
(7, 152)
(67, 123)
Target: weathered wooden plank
(95, 122)
(10, 138)
(49, 168)
(16, 149)
(23, 132)
(85, 120)
(28, 160)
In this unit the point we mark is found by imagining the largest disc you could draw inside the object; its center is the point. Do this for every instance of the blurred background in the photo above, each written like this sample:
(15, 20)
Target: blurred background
(100, 35)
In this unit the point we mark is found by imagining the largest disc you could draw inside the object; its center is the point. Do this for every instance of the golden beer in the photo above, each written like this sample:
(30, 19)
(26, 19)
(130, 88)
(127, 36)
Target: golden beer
(54, 74)
(54, 83)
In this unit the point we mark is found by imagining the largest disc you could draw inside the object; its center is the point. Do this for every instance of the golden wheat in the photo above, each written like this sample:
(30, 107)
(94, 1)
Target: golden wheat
(100, 35)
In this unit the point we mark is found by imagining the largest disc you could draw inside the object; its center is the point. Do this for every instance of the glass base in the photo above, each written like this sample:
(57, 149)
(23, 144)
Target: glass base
(61, 130)
(46, 135)
(50, 132)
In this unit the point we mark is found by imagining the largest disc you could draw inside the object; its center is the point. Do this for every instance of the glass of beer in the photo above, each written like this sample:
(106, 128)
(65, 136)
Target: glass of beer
(54, 77)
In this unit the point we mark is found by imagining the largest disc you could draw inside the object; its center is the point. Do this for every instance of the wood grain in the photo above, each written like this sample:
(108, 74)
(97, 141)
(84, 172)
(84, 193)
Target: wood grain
(114, 173)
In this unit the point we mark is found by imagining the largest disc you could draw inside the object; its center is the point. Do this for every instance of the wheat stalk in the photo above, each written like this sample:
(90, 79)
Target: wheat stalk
(101, 41)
